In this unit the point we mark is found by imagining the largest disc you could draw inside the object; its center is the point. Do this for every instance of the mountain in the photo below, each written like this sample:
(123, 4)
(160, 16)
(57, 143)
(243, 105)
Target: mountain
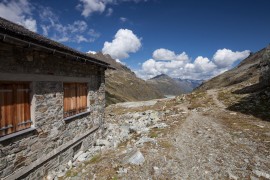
(245, 88)
(187, 85)
(165, 84)
(123, 85)
(247, 71)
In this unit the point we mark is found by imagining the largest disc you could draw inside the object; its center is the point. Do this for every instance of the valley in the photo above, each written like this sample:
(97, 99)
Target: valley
(192, 136)
(218, 131)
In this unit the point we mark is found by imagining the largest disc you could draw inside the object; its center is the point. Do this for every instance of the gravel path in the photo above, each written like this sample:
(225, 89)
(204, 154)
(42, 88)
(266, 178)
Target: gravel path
(196, 145)
(213, 93)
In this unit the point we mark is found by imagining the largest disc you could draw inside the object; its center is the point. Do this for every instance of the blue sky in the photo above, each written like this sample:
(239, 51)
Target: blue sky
(183, 38)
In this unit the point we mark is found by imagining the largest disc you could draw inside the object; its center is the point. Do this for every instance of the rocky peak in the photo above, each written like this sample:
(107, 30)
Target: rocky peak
(162, 76)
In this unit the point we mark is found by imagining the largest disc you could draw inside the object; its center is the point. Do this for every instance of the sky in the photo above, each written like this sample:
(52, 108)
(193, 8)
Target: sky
(187, 39)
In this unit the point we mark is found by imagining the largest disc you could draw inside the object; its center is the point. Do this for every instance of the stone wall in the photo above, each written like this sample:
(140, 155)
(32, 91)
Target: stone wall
(52, 143)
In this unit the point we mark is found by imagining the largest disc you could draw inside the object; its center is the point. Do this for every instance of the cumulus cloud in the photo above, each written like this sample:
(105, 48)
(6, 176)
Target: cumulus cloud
(203, 64)
(77, 31)
(89, 7)
(226, 57)
(165, 54)
(124, 42)
(180, 65)
(20, 12)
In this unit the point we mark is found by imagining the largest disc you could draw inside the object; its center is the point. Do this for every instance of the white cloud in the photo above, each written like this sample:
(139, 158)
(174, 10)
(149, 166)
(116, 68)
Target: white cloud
(89, 7)
(226, 57)
(180, 66)
(124, 42)
(20, 12)
(202, 64)
(75, 32)
(165, 54)
(92, 52)
(118, 60)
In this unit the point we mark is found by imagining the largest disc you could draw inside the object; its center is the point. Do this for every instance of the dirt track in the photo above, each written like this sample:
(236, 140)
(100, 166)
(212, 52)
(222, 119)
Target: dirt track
(198, 144)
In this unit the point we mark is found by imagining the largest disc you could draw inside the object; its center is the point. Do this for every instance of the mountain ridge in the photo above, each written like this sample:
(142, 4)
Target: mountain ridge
(165, 84)
(122, 84)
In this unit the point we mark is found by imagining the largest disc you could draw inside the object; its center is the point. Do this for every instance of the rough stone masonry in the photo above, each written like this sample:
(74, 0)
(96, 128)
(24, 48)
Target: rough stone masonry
(51, 140)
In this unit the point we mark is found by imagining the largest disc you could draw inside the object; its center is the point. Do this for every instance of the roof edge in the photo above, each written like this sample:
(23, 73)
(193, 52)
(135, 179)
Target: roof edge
(29, 43)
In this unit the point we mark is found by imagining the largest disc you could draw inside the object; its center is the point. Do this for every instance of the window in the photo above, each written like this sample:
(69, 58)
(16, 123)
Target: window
(14, 107)
(75, 98)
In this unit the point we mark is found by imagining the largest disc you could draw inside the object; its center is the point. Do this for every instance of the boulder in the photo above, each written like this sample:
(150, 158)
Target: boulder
(77, 155)
(134, 157)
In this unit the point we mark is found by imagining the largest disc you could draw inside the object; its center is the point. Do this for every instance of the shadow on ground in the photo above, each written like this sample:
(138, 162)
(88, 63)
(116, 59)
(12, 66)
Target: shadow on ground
(256, 104)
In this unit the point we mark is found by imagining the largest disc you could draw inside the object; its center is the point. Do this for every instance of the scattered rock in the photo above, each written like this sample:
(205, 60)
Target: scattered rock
(102, 142)
(156, 171)
(61, 174)
(160, 126)
(134, 157)
(69, 164)
(77, 155)
(232, 176)
(260, 126)
(122, 171)
(50, 177)
(83, 157)
(143, 140)
(261, 174)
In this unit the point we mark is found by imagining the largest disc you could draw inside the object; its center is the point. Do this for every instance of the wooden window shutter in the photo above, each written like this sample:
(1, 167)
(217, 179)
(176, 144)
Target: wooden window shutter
(75, 98)
(70, 99)
(7, 109)
(22, 109)
(81, 97)
(14, 107)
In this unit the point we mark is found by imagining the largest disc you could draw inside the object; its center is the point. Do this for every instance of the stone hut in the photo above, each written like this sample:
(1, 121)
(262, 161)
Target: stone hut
(52, 102)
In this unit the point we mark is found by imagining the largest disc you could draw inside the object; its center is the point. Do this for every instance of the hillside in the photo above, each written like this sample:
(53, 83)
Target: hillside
(247, 71)
(123, 85)
(165, 84)
(245, 88)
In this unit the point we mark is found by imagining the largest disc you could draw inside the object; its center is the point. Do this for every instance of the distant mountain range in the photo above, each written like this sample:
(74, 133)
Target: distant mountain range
(187, 85)
(165, 84)
(173, 86)
(123, 85)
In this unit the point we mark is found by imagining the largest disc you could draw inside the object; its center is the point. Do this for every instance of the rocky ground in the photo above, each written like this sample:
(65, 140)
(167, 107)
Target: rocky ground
(193, 136)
